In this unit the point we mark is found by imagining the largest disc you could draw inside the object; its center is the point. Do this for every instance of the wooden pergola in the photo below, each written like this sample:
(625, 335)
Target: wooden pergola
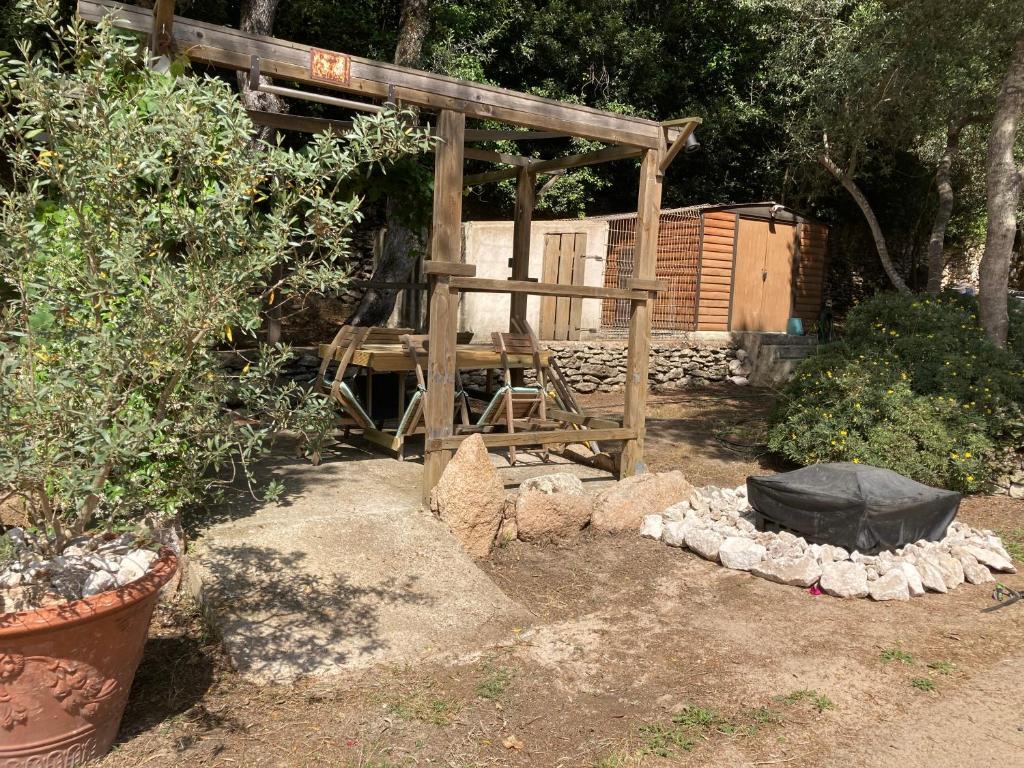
(656, 144)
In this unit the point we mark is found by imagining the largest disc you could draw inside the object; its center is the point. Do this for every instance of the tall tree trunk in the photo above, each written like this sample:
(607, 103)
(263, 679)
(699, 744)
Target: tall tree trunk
(258, 18)
(944, 186)
(1002, 185)
(402, 246)
(876, 230)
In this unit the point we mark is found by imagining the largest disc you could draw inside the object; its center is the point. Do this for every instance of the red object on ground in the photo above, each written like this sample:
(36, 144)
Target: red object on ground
(66, 671)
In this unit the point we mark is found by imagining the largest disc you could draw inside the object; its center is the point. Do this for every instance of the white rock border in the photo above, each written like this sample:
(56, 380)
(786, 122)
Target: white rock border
(718, 524)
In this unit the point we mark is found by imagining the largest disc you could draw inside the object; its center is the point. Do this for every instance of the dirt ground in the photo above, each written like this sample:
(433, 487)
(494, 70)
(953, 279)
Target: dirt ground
(640, 655)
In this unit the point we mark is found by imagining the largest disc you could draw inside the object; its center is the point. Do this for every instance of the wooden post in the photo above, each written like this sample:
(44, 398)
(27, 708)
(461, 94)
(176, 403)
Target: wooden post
(638, 360)
(161, 34)
(525, 200)
(445, 245)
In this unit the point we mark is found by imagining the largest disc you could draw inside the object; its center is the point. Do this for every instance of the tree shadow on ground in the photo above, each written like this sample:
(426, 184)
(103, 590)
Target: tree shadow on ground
(280, 620)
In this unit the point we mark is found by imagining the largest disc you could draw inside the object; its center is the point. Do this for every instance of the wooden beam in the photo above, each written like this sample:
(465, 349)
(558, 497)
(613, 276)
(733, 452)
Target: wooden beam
(491, 285)
(582, 420)
(231, 48)
(538, 437)
(557, 164)
(638, 356)
(287, 122)
(445, 246)
(444, 267)
(162, 28)
(479, 134)
(679, 144)
(490, 156)
(521, 232)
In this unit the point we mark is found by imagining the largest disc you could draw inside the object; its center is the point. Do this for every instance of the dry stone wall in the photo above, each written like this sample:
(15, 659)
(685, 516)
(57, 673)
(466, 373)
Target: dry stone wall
(600, 366)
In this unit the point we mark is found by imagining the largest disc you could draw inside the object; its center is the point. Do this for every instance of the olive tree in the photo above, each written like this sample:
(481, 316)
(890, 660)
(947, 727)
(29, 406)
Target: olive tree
(141, 231)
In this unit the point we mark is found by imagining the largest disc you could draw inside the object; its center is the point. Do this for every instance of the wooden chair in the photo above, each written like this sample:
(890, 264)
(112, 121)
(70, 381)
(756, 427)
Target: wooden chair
(413, 421)
(517, 406)
(350, 338)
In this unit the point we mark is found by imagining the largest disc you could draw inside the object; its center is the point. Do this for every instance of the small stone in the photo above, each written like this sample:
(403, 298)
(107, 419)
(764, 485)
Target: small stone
(9, 579)
(100, 581)
(795, 572)
(144, 558)
(951, 569)
(739, 381)
(677, 512)
(674, 534)
(17, 536)
(128, 572)
(914, 584)
(699, 502)
(652, 527)
(839, 554)
(740, 554)
(976, 573)
(991, 559)
(931, 574)
(844, 579)
(704, 542)
(891, 586)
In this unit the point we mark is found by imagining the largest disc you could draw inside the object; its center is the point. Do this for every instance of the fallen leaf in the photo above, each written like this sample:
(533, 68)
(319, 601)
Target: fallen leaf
(513, 743)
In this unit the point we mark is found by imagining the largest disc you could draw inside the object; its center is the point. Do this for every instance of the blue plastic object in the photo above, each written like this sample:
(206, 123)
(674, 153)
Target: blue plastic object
(795, 327)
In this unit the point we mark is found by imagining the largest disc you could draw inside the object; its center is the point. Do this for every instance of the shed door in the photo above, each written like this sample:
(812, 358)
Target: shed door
(564, 262)
(763, 276)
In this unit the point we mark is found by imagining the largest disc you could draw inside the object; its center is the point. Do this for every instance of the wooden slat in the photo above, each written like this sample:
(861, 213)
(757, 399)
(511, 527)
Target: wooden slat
(718, 240)
(582, 420)
(719, 216)
(566, 258)
(549, 304)
(538, 437)
(480, 134)
(717, 261)
(579, 266)
(162, 29)
(716, 271)
(392, 358)
(231, 48)
(717, 248)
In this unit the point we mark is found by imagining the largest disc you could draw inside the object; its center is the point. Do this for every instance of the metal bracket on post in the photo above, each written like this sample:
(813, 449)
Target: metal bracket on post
(254, 73)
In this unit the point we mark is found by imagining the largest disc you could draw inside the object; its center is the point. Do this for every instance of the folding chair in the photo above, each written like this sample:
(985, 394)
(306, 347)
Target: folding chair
(337, 386)
(513, 406)
(413, 421)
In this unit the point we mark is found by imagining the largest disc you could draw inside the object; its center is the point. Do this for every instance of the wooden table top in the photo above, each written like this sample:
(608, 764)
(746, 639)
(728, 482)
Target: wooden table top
(389, 358)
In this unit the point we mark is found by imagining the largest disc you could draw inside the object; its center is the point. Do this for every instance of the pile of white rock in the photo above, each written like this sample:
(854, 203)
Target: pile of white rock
(719, 525)
(87, 566)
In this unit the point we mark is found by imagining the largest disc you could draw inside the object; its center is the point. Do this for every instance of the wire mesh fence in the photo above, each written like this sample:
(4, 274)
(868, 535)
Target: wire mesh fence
(678, 264)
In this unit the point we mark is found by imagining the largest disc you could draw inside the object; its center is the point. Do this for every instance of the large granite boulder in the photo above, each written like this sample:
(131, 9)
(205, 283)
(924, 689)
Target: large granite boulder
(551, 507)
(470, 497)
(623, 506)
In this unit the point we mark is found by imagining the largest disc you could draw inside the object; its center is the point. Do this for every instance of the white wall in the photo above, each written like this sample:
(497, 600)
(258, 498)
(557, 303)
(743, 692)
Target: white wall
(488, 244)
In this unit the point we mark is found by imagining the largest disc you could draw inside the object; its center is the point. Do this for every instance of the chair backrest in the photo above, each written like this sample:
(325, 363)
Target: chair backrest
(507, 344)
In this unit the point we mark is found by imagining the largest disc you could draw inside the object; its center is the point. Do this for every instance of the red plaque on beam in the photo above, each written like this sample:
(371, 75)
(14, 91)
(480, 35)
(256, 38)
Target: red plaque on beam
(330, 67)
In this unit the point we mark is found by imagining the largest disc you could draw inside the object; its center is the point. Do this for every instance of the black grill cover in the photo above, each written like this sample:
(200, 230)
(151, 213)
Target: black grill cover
(853, 506)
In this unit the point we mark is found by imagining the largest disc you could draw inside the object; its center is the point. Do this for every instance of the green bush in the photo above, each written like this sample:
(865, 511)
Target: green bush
(142, 230)
(915, 387)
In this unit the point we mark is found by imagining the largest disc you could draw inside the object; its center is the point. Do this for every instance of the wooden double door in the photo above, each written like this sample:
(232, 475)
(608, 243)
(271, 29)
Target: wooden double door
(565, 263)
(762, 298)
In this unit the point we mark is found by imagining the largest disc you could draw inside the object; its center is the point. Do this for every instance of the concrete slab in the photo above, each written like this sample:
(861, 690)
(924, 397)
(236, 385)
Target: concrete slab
(346, 572)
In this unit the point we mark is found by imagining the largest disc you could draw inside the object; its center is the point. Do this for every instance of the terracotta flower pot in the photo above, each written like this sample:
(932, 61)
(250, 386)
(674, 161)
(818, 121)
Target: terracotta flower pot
(65, 672)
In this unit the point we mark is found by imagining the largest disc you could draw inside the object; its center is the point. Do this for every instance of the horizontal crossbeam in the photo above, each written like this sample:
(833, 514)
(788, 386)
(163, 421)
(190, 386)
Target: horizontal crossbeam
(540, 437)
(491, 285)
(233, 49)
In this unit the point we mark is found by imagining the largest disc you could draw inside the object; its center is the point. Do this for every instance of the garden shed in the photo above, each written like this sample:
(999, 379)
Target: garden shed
(736, 267)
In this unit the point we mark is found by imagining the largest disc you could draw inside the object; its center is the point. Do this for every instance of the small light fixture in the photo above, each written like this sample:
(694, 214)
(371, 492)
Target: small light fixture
(692, 145)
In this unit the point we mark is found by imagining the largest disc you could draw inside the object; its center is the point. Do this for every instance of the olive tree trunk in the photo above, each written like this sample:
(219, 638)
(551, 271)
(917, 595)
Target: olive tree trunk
(402, 246)
(876, 230)
(1003, 181)
(944, 187)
